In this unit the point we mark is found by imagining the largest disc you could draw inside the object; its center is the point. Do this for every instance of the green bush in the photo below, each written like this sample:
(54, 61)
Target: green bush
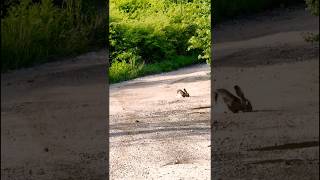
(153, 31)
(202, 38)
(313, 6)
(33, 33)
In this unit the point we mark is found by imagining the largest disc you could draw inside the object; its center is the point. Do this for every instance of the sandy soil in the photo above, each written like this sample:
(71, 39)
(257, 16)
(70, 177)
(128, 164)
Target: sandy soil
(279, 73)
(170, 139)
(53, 117)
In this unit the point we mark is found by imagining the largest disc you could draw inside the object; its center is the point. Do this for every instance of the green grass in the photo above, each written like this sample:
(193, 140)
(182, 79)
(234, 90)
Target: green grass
(122, 71)
(35, 33)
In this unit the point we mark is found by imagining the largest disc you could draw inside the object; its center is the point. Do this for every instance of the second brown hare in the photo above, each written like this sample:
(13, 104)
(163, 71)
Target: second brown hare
(234, 103)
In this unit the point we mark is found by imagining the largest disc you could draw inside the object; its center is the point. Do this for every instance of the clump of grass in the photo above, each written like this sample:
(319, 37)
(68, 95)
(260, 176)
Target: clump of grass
(311, 37)
(122, 71)
(34, 33)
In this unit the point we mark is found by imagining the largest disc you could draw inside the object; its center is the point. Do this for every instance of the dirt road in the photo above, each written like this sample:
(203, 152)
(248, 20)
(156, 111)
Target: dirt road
(53, 120)
(156, 135)
(279, 73)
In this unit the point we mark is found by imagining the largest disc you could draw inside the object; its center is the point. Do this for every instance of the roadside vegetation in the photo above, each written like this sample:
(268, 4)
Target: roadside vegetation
(313, 8)
(152, 36)
(35, 32)
(145, 36)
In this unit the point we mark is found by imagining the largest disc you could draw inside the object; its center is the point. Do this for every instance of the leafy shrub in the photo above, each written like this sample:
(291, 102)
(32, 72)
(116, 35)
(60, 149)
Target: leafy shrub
(154, 30)
(202, 38)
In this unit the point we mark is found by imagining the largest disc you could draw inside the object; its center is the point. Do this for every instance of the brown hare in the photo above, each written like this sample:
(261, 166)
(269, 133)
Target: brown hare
(234, 103)
(183, 93)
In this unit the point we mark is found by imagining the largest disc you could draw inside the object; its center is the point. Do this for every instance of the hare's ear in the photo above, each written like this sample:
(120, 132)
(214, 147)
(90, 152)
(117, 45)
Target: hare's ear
(239, 92)
(185, 91)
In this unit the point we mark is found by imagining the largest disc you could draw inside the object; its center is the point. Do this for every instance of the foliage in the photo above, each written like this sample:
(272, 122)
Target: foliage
(156, 30)
(202, 38)
(34, 33)
(313, 7)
